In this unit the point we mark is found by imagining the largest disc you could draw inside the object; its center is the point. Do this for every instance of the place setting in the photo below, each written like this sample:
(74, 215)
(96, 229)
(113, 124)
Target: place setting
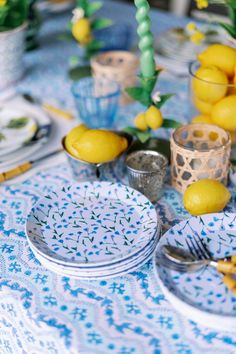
(118, 210)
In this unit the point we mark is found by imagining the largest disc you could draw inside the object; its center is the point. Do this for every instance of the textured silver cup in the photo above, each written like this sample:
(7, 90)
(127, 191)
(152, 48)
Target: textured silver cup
(146, 172)
(86, 171)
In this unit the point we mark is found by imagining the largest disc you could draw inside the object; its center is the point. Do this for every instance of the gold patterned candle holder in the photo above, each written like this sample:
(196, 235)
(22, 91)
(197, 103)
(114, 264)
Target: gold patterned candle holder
(120, 66)
(199, 151)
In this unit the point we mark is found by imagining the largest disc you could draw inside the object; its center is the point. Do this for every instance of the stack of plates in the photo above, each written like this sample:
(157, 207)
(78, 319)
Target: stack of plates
(24, 129)
(93, 230)
(175, 50)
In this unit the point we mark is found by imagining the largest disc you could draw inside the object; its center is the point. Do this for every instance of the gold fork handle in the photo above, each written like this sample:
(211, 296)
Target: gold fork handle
(5, 176)
(226, 267)
(230, 283)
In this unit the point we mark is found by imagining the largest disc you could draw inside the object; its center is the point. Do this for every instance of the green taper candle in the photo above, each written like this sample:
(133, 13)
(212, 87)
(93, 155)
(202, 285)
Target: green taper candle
(147, 61)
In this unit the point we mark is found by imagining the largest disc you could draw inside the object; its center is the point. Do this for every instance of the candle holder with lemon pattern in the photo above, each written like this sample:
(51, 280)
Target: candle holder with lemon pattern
(199, 151)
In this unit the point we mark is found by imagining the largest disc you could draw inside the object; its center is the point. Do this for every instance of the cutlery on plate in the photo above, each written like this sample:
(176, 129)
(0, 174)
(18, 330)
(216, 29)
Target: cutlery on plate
(49, 108)
(185, 262)
(24, 167)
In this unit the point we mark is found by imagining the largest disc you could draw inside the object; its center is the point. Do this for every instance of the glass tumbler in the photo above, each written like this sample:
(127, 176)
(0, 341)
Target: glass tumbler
(97, 101)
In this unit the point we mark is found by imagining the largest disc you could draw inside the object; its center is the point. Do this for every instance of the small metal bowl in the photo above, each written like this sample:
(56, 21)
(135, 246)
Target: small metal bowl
(86, 171)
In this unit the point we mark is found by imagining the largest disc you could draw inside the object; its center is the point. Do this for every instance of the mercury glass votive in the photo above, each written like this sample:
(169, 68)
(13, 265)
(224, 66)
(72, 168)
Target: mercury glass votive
(146, 172)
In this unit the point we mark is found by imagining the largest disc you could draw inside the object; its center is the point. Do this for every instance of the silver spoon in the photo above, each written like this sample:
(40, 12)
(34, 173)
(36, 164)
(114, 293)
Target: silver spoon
(183, 261)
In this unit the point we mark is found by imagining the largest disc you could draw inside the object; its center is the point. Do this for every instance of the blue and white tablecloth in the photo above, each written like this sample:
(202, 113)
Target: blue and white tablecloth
(41, 312)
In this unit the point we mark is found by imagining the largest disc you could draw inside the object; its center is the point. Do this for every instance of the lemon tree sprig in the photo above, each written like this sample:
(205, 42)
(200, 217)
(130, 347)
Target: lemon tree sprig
(152, 118)
(84, 23)
(230, 5)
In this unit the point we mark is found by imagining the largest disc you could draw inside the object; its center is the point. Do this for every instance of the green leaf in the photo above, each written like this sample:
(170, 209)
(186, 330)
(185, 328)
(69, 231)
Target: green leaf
(100, 23)
(230, 29)
(171, 123)
(17, 123)
(139, 94)
(143, 136)
(93, 7)
(94, 45)
(163, 100)
(80, 72)
(131, 130)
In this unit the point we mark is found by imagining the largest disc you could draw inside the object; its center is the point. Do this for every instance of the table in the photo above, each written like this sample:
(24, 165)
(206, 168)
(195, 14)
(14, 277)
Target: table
(48, 314)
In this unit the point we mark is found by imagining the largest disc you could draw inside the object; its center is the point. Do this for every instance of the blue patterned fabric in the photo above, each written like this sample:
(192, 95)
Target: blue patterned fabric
(42, 312)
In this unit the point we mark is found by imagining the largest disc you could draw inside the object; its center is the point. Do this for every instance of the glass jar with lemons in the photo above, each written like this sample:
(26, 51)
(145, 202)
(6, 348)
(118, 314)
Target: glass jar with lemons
(213, 88)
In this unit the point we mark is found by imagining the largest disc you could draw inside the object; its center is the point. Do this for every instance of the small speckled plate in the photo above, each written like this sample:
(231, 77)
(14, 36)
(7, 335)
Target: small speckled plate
(202, 296)
(92, 224)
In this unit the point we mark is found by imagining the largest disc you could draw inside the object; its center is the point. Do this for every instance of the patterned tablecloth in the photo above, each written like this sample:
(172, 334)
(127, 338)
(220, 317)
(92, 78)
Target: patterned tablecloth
(41, 312)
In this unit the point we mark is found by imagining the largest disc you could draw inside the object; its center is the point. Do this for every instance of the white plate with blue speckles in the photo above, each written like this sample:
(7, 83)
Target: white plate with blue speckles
(92, 225)
(202, 296)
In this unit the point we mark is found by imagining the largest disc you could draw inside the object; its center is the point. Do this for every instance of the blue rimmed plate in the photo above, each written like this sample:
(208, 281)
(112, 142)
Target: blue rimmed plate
(91, 224)
(202, 296)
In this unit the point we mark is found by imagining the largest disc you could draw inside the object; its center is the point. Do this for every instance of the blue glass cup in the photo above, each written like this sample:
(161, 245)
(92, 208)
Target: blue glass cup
(119, 36)
(97, 101)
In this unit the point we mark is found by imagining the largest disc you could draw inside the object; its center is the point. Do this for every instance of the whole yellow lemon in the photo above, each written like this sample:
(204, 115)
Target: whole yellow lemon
(153, 117)
(202, 119)
(224, 113)
(209, 84)
(203, 107)
(73, 136)
(206, 196)
(140, 122)
(98, 146)
(81, 31)
(220, 55)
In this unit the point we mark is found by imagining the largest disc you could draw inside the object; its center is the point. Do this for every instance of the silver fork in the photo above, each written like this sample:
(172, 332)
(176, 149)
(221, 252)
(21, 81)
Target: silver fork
(198, 249)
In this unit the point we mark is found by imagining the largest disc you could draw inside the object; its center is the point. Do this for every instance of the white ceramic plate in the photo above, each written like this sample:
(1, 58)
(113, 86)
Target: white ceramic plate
(92, 224)
(18, 152)
(202, 296)
(16, 128)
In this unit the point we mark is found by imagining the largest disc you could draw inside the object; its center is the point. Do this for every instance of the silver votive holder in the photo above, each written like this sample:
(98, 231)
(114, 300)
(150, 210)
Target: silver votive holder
(146, 173)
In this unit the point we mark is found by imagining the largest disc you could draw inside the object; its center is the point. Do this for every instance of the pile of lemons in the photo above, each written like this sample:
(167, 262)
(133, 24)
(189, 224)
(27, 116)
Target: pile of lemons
(94, 145)
(214, 87)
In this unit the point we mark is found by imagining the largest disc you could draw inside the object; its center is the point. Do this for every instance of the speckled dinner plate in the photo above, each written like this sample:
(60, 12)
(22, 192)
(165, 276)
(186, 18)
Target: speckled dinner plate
(92, 224)
(202, 296)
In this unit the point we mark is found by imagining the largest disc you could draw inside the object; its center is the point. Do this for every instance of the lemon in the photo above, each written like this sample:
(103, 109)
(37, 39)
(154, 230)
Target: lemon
(153, 117)
(73, 136)
(203, 107)
(97, 146)
(202, 119)
(224, 113)
(140, 122)
(220, 55)
(81, 31)
(232, 88)
(210, 84)
(206, 196)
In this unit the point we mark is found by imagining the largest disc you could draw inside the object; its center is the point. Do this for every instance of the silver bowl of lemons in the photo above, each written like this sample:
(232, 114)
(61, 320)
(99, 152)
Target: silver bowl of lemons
(89, 151)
